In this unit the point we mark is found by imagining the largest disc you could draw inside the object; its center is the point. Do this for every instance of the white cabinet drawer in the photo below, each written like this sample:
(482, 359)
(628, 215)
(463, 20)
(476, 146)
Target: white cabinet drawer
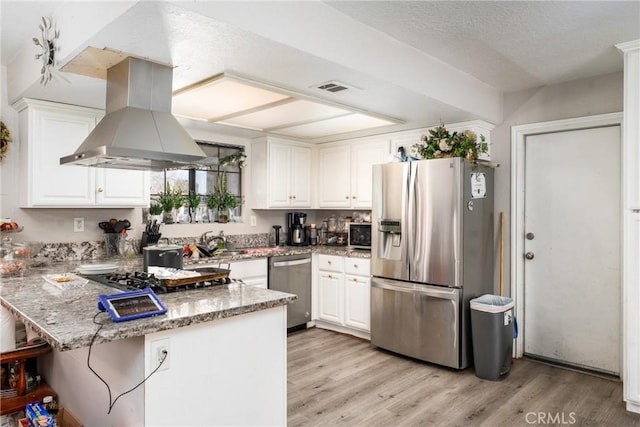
(357, 266)
(331, 263)
(249, 268)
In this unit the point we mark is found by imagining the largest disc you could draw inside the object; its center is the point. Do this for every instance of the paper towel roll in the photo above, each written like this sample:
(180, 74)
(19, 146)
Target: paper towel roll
(7, 330)
(31, 335)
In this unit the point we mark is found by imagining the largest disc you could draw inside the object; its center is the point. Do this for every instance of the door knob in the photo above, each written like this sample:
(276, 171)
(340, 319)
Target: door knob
(529, 236)
(529, 255)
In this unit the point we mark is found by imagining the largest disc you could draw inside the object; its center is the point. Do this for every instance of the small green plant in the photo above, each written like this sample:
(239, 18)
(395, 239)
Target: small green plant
(178, 199)
(234, 159)
(192, 201)
(170, 200)
(221, 198)
(166, 201)
(155, 209)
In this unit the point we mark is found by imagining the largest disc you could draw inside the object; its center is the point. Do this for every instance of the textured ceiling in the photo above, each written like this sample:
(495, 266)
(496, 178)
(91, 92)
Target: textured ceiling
(511, 45)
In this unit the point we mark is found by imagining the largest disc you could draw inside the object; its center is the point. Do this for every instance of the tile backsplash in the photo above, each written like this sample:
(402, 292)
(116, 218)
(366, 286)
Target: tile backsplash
(78, 251)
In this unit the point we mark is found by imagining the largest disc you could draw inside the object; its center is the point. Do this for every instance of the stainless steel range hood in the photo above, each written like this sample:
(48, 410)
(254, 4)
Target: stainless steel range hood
(138, 130)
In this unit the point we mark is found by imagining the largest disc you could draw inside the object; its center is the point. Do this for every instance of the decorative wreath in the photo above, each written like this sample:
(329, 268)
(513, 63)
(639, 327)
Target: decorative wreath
(6, 139)
(440, 143)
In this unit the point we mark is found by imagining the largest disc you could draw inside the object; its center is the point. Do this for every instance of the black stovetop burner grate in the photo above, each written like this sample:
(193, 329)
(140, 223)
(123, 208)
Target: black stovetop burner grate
(141, 280)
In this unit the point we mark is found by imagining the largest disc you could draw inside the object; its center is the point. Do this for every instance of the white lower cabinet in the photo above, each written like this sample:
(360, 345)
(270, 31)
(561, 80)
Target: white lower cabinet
(331, 287)
(343, 292)
(357, 302)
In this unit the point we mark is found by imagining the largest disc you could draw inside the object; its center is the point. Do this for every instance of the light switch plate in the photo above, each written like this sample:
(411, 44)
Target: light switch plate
(78, 225)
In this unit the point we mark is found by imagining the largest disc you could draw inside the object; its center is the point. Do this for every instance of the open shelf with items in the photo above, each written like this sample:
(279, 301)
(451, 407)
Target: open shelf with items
(9, 405)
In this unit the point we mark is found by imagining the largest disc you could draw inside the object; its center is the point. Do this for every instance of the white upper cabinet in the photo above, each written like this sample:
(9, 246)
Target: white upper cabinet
(280, 174)
(345, 173)
(334, 173)
(49, 131)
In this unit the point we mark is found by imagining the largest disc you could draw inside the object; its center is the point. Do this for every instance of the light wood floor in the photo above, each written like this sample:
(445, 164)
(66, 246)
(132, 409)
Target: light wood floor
(335, 379)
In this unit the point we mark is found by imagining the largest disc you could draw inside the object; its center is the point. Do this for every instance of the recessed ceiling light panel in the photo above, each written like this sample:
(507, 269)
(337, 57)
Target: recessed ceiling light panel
(221, 98)
(349, 123)
(299, 111)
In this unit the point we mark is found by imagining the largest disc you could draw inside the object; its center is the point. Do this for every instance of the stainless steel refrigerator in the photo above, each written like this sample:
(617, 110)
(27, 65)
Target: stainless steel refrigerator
(432, 251)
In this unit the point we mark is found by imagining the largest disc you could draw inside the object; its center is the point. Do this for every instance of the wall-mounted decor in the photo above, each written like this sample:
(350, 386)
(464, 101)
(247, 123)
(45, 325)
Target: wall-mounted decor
(47, 42)
(5, 140)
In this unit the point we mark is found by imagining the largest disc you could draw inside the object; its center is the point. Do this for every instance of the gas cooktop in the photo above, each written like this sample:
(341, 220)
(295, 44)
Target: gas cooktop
(140, 280)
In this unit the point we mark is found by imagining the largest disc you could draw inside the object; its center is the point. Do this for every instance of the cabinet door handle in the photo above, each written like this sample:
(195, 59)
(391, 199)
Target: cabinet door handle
(346, 197)
(353, 197)
(100, 190)
(355, 265)
(330, 277)
(293, 197)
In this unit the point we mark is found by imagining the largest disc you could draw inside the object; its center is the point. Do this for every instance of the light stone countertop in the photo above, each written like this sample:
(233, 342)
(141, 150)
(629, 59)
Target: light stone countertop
(64, 318)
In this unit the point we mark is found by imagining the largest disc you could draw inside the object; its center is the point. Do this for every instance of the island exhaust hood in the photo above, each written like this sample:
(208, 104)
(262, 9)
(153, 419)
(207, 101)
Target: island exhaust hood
(138, 130)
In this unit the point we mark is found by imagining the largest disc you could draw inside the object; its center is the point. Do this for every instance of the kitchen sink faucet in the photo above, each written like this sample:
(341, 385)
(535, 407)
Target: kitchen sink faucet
(221, 240)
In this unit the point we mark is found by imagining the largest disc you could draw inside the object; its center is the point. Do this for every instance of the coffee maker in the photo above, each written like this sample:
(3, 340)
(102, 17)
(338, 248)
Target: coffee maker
(297, 232)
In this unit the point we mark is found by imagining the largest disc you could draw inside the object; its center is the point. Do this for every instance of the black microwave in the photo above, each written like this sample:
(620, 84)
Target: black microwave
(360, 235)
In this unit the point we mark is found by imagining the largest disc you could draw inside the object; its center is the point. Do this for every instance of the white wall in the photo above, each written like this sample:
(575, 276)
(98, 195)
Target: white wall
(576, 98)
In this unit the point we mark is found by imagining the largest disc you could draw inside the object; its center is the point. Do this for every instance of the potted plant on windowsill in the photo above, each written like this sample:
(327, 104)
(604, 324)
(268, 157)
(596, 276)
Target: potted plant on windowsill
(155, 212)
(170, 201)
(166, 202)
(222, 199)
(193, 201)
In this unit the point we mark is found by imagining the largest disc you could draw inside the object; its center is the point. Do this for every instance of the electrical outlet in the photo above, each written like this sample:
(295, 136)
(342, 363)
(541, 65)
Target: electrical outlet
(158, 347)
(78, 225)
(252, 218)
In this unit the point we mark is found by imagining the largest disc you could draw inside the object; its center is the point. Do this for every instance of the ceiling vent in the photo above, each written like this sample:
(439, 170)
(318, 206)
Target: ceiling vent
(333, 86)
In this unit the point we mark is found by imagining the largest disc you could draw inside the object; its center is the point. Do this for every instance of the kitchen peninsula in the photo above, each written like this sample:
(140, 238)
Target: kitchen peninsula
(226, 353)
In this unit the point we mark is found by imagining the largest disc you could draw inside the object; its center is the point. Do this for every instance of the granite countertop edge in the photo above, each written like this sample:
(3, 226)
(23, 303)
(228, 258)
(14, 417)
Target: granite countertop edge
(66, 323)
(25, 299)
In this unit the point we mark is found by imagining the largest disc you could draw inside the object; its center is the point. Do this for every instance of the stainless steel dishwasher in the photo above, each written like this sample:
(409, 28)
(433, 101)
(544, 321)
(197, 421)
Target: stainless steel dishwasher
(292, 274)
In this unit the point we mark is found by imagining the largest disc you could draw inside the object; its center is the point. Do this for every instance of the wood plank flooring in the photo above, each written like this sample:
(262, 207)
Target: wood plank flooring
(336, 379)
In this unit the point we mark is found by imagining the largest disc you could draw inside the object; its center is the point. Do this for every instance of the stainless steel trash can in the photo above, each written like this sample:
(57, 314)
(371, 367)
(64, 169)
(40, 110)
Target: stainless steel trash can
(492, 336)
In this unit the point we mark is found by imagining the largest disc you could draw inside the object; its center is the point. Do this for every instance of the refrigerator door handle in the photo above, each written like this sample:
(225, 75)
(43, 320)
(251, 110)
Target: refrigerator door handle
(409, 218)
(432, 291)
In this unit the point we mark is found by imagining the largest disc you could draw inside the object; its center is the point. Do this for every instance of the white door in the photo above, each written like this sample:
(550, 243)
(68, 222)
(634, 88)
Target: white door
(572, 277)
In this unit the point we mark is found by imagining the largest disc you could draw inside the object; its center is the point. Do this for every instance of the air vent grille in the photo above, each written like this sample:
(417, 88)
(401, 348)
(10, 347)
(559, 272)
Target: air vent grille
(333, 87)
